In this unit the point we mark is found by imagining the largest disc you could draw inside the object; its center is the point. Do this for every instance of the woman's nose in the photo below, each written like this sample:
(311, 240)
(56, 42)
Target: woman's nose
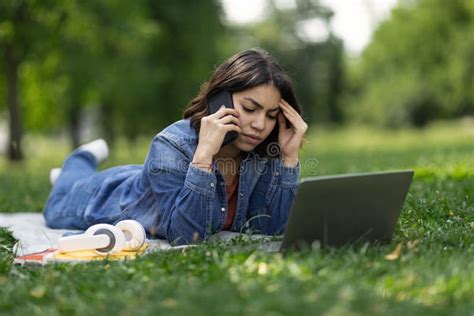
(258, 123)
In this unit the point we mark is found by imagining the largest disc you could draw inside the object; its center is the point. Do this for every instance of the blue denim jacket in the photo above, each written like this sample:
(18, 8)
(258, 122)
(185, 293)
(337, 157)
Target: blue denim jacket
(171, 197)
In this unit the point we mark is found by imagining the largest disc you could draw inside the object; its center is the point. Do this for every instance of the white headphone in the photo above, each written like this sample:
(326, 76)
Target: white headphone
(104, 239)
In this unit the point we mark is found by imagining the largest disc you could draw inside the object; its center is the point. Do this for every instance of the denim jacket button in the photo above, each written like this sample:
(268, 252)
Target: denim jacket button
(212, 184)
(223, 209)
(241, 194)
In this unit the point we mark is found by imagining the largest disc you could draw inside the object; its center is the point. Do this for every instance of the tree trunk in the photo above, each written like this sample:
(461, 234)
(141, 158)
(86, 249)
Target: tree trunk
(336, 77)
(74, 126)
(15, 128)
(107, 122)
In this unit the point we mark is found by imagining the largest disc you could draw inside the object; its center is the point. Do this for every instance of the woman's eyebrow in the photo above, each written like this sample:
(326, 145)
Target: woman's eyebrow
(259, 105)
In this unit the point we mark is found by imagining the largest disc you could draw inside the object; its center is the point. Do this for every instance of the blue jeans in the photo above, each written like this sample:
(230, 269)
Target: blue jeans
(82, 196)
(78, 166)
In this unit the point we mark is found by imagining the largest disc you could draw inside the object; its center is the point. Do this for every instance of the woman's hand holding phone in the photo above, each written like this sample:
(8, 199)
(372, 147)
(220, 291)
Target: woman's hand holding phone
(214, 127)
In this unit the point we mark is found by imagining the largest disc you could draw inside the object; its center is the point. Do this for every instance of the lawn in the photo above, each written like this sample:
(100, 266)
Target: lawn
(432, 275)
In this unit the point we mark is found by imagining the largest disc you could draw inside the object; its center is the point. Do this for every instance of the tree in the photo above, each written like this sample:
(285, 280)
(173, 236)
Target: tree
(26, 27)
(97, 60)
(183, 56)
(419, 65)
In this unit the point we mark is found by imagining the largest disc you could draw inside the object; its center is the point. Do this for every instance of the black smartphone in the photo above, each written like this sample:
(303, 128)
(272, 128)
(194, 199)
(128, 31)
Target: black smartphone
(215, 102)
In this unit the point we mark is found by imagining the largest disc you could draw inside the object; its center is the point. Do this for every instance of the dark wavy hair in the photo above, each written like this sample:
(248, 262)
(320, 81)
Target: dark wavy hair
(242, 71)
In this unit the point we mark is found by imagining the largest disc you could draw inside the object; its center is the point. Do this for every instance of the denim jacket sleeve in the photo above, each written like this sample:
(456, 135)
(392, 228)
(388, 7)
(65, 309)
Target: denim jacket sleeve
(183, 193)
(272, 198)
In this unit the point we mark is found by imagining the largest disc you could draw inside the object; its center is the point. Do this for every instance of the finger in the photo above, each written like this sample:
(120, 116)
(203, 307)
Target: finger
(290, 116)
(297, 122)
(291, 113)
(223, 111)
(232, 127)
(284, 102)
(282, 121)
(229, 119)
(286, 106)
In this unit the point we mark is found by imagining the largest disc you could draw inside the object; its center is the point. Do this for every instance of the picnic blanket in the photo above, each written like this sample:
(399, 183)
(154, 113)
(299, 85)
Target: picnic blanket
(34, 237)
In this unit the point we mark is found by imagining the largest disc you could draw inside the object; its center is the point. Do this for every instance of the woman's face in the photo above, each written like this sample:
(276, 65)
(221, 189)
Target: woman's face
(258, 108)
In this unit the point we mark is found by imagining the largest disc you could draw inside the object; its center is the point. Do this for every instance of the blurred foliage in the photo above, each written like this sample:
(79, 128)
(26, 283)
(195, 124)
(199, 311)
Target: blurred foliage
(26, 28)
(135, 63)
(129, 68)
(418, 67)
(134, 66)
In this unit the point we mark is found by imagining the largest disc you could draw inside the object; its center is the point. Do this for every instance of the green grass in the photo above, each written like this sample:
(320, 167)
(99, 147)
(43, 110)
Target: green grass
(434, 274)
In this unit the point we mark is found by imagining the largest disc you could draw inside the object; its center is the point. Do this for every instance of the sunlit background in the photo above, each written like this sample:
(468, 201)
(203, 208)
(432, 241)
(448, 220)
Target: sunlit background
(353, 20)
(75, 70)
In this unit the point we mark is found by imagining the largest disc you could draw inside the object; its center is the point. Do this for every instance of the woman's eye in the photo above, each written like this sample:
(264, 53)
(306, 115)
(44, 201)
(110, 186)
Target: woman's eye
(253, 110)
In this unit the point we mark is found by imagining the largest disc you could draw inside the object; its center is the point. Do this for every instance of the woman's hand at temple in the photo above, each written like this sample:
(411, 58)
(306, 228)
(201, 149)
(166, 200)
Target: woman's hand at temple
(290, 138)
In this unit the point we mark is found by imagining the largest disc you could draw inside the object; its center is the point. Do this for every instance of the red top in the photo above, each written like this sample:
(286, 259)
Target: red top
(232, 193)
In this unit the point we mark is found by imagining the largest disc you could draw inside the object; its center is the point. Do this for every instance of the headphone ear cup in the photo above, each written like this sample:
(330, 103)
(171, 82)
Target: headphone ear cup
(104, 239)
(135, 235)
(117, 238)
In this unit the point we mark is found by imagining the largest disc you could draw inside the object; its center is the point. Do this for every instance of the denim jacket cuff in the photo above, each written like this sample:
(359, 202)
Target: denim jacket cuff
(201, 181)
(289, 175)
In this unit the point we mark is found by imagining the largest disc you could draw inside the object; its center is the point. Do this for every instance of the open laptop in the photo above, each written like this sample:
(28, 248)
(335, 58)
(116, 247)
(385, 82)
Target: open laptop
(344, 209)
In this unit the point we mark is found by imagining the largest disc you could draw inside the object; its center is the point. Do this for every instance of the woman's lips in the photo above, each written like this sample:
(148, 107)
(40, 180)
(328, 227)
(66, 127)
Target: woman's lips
(252, 140)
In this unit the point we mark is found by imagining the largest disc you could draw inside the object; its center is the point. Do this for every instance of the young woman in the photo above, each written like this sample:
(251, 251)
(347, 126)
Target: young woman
(191, 186)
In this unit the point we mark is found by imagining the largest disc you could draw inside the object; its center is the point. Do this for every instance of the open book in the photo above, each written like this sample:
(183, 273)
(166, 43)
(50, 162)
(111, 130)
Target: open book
(52, 255)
